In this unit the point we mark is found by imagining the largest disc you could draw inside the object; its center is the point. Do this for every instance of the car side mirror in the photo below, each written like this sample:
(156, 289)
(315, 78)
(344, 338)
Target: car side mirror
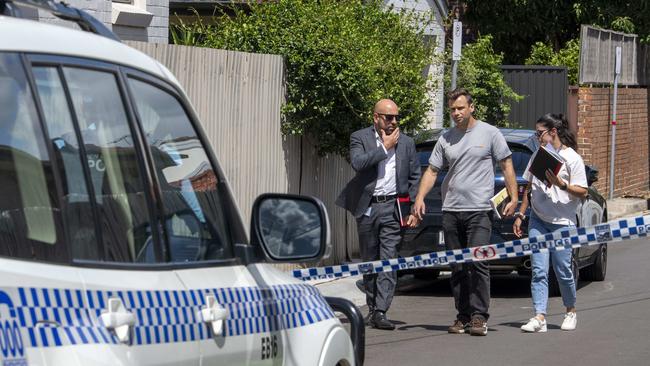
(290, 228)
(592, 175)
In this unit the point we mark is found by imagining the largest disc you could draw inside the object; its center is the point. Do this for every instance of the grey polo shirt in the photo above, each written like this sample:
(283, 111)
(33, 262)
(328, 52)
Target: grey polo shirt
(470, 157)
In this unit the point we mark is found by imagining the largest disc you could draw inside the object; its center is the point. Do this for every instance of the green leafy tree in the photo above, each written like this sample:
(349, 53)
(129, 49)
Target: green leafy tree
(341, 58)
(568, 56)
(479, 72)
(631, 16)
(623, 24)
(517, 24)
(541, 54)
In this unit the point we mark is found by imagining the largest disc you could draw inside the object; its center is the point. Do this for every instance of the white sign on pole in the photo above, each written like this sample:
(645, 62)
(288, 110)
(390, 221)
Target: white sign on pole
(618, 60)
(457, 40)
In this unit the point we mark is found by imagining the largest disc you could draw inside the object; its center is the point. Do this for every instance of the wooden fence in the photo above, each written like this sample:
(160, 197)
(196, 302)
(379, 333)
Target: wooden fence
(238, 97)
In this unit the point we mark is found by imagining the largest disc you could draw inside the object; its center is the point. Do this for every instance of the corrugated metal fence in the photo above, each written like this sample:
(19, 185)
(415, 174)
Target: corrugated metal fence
(544, 89)
(238, 97)
(597, 56)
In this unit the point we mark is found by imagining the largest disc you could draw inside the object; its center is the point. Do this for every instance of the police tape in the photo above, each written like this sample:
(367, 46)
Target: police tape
(613, 231)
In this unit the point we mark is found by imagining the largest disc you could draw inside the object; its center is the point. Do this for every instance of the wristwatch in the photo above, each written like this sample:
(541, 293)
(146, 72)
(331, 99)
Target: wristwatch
(564, 187)
(520, 215)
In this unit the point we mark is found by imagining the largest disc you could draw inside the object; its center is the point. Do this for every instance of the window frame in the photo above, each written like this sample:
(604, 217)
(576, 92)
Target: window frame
(61, 240)
(60, 62)
(145, 162)
(233, 219)
(82, 150)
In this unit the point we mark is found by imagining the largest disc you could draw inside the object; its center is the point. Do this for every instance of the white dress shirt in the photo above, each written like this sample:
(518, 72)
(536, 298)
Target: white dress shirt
(386, 177)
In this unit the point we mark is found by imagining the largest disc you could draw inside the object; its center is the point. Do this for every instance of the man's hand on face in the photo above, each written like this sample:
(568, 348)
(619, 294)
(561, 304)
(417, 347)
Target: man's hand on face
(389, 140)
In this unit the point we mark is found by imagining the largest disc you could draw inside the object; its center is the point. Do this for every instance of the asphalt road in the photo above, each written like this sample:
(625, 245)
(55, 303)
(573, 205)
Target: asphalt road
(613, 322)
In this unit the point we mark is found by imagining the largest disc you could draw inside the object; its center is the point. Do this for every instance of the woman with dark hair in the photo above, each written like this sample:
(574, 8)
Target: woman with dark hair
(553, 207)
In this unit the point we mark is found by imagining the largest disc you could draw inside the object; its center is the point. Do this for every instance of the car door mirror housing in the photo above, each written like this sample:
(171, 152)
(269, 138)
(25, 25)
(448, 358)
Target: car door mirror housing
(592, 175)
(290, 228)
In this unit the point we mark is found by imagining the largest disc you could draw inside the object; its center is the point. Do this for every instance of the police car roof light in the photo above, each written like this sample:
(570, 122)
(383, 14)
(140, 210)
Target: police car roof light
(61, 10)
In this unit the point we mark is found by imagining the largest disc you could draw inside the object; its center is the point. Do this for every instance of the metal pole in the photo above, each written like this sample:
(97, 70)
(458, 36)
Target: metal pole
(613, 154)
(454, 72)
(455, 56)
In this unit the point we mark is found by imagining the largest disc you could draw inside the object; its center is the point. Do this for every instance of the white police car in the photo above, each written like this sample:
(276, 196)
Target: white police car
(120, 241)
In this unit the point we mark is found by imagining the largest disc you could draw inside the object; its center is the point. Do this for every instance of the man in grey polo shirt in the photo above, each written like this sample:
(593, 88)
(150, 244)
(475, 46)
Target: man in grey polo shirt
(469, 151)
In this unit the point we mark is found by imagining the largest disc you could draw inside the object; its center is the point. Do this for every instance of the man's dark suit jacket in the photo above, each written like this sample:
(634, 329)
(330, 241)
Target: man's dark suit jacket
(365, 157)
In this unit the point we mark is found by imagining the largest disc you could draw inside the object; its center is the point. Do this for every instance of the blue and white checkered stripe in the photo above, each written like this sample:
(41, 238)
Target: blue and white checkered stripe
(614, 231)
(56, 317)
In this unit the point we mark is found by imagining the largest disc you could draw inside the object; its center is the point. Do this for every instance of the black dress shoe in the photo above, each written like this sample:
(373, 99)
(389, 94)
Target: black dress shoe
(380, 321)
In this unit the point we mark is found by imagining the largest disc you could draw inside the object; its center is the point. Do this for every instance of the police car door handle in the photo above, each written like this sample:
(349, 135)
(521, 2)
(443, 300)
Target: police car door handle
(118, 319)
(213, 314)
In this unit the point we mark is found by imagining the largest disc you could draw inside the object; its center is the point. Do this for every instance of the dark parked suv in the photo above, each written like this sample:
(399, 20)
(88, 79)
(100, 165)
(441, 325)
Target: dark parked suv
(591, 261)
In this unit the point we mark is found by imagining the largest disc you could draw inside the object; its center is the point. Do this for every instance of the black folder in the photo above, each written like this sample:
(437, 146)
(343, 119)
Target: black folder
(542, 160)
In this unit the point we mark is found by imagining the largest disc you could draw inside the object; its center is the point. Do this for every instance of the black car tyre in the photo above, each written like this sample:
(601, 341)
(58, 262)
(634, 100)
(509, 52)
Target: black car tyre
(598, 270)
(554, 286)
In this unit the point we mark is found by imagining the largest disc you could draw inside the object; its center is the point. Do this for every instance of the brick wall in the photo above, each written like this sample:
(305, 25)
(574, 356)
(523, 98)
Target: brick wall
(631, 173)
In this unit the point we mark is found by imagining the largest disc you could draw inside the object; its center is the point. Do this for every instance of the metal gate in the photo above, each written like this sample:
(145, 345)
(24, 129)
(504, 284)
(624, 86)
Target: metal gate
(544, 89)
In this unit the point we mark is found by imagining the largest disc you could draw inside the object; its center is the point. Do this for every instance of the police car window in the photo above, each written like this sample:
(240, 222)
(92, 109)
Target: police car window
(193, 213)
(29, 215)
(112, 159)
(76, 207)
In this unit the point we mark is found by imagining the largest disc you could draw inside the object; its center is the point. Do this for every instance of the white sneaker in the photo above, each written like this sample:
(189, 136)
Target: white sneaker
(534, 325)
(570, 320)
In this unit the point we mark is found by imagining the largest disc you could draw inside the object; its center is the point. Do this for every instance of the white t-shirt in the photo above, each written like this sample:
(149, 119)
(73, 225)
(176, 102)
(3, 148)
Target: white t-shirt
(551, 204)
(469, 156)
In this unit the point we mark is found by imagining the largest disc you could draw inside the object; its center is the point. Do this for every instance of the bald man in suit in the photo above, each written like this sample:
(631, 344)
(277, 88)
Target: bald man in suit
(386, 166)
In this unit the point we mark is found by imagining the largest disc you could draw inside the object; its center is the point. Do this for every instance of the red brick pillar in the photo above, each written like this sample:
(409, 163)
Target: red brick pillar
(594, 137)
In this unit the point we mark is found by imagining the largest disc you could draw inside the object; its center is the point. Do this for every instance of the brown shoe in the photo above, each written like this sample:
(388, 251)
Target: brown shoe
(458, 327)
(478, 327)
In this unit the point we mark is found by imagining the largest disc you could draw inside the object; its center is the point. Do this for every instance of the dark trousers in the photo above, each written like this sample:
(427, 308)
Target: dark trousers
(470, 282)
(379, 235)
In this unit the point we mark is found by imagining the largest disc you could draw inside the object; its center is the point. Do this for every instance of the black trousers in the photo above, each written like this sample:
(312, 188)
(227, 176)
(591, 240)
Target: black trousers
(379, 236)
(470, 282)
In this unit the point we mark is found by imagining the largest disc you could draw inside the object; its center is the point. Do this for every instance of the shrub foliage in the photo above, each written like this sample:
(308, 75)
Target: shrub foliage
(341, 57)
(480, 73)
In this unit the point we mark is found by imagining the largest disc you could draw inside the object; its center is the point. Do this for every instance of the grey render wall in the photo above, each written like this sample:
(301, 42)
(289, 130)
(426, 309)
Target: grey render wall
(436, 32)
(155, 32)
(158, 29)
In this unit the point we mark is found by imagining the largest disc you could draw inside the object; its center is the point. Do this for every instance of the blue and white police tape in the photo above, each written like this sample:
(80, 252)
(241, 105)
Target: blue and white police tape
(613, 231)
